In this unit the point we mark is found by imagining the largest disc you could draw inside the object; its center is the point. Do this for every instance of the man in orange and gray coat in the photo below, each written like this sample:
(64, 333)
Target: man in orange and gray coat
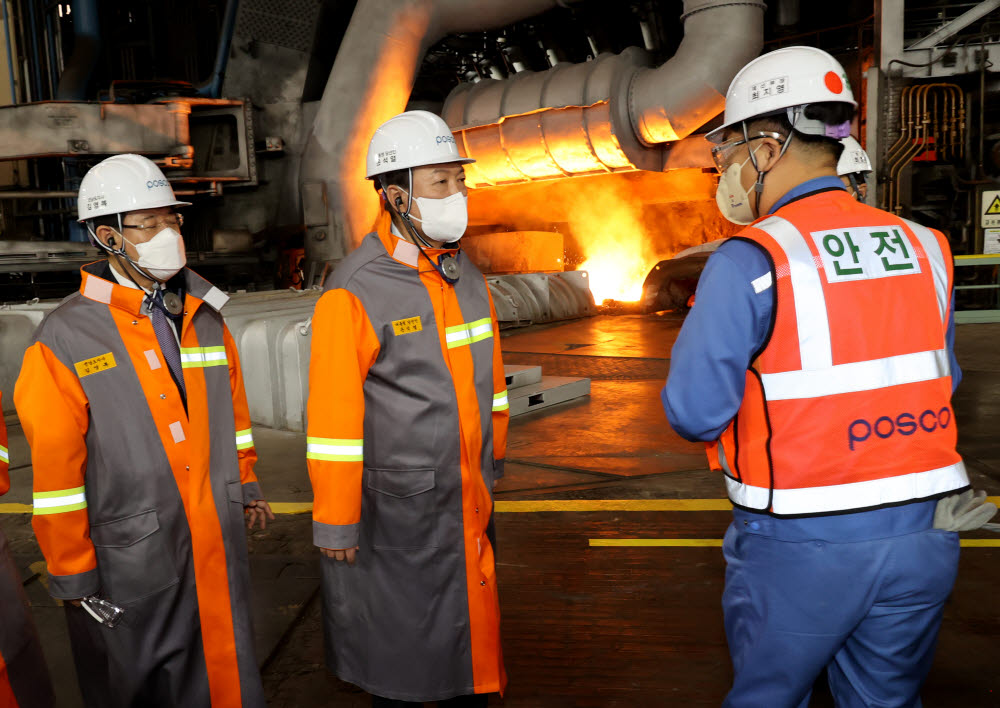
(407, 433)
(131, 397)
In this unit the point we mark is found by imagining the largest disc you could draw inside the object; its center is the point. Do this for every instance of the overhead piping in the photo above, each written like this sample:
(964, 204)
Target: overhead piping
(212, 88)
(612, 114)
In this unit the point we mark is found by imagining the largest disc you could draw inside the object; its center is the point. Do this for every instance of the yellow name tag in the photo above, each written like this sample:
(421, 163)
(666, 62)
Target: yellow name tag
(98, 363)
(407, 326)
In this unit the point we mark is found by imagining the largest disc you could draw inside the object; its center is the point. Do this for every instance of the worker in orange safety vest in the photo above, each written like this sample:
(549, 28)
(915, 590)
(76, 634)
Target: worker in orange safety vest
(407, 433)
(24, 676)
(818, 364)
(132, 399)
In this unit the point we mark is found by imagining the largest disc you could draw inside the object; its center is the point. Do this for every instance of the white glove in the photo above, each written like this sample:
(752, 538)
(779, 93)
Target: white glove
(967, 511)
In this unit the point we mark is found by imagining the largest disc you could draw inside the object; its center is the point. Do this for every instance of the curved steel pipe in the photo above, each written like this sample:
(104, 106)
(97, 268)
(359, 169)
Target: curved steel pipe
(608, 115)
(370, 82)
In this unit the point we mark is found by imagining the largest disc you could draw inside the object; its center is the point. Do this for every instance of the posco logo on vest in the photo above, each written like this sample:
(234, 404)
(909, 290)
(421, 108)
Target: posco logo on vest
(153, 183)
(445, 139)
(904, 424)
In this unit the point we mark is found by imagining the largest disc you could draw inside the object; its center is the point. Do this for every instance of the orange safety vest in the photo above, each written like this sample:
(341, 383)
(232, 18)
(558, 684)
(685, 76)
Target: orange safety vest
(847, 407)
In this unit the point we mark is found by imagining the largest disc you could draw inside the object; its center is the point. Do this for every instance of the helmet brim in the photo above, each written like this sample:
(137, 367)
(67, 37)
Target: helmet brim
(175, 203)
(459, 161)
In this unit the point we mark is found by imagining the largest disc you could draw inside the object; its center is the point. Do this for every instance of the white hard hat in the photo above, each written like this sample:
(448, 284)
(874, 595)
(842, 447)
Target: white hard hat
(853, 159)
(412, 139)
(782, 79)
(123, 183)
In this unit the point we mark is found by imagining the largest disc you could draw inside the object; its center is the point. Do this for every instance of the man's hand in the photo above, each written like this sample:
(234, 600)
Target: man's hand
(258, 511)
(75, 603)
(341, 554)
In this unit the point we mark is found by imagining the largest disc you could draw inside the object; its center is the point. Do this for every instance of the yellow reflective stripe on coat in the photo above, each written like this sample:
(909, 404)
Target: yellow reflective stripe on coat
(500, 401)
(4, 454)
(334, 449)
(463, 334)
(244, 439)
(59, 502)
(200, 357)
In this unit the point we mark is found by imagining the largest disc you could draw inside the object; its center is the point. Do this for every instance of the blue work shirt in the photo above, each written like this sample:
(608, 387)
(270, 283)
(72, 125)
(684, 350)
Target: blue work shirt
(726, 328)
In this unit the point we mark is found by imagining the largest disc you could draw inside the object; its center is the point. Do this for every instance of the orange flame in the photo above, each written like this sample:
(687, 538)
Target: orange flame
(614, 240)
(617, 226)
(616, 274)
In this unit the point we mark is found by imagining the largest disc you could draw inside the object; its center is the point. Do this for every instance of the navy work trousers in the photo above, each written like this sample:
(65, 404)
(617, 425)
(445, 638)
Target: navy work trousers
(860, 595)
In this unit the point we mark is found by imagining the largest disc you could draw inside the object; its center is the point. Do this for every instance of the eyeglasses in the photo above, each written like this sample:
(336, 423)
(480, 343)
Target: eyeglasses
(723, 153)
(171, 221)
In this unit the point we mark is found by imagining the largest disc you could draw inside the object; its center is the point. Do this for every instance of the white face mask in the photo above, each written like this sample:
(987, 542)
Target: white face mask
(163, 255)
(732, 199)
(443, 220)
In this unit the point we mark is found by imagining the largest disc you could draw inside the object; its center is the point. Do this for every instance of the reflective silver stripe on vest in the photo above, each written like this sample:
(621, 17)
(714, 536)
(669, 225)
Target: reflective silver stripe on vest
(854, 495)
(819, 376)
(811, 317)
(857, 376)
(939, 269)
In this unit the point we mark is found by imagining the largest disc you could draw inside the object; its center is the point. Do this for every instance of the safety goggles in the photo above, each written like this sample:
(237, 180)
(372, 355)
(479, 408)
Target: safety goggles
(723, 152)
(170, 221)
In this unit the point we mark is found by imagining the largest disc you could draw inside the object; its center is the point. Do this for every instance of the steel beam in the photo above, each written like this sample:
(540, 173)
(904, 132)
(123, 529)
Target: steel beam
(950, 29)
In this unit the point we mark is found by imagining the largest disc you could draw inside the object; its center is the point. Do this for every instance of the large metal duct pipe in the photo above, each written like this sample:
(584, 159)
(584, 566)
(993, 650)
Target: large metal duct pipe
(612, 114)
(370, 82)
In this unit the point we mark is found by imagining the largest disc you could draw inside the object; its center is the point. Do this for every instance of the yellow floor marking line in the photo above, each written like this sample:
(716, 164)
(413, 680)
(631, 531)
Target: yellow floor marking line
(291, 507)
(531, 506)
(15, 508)
(717, 542)
(638, 542)
(539, 505)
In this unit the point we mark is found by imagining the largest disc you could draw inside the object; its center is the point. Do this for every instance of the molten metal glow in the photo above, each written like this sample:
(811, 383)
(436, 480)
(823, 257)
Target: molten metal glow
(616, 276)
(614, 240)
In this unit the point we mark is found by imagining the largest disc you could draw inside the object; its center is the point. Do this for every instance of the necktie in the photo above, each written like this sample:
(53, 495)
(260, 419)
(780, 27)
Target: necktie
(168, 342)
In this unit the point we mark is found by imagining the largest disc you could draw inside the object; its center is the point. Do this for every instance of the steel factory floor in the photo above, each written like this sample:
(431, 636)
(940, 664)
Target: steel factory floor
(585, 624)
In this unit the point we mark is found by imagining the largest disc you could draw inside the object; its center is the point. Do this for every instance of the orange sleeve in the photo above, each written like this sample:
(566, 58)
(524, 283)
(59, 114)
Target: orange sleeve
(245, 451)
(344, 346)
(501, 401)
(4, 456)
(53, 409)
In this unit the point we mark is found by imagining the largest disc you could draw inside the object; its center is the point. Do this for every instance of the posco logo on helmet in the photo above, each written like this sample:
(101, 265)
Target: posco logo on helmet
(153, 183)
(446, 139)
(904, 424)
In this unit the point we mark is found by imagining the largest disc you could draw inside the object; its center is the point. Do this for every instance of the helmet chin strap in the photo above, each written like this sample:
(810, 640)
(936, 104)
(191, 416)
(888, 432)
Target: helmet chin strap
(853, 179)
(121, 254)
(416, 238)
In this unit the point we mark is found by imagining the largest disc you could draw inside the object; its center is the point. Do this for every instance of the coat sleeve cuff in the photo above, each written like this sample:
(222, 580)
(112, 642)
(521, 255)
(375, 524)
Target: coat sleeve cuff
(498, 469)
(335, 537)
(73, 587)
(251, 493)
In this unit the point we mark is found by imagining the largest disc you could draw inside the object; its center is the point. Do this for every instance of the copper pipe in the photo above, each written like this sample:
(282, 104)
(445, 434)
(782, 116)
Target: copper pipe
(922, 122)
(904, 117)
(907, 130)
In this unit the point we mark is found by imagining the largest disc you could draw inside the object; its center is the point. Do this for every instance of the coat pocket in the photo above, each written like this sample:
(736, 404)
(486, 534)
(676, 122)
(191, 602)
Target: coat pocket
(132, 557)
(403, 512)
